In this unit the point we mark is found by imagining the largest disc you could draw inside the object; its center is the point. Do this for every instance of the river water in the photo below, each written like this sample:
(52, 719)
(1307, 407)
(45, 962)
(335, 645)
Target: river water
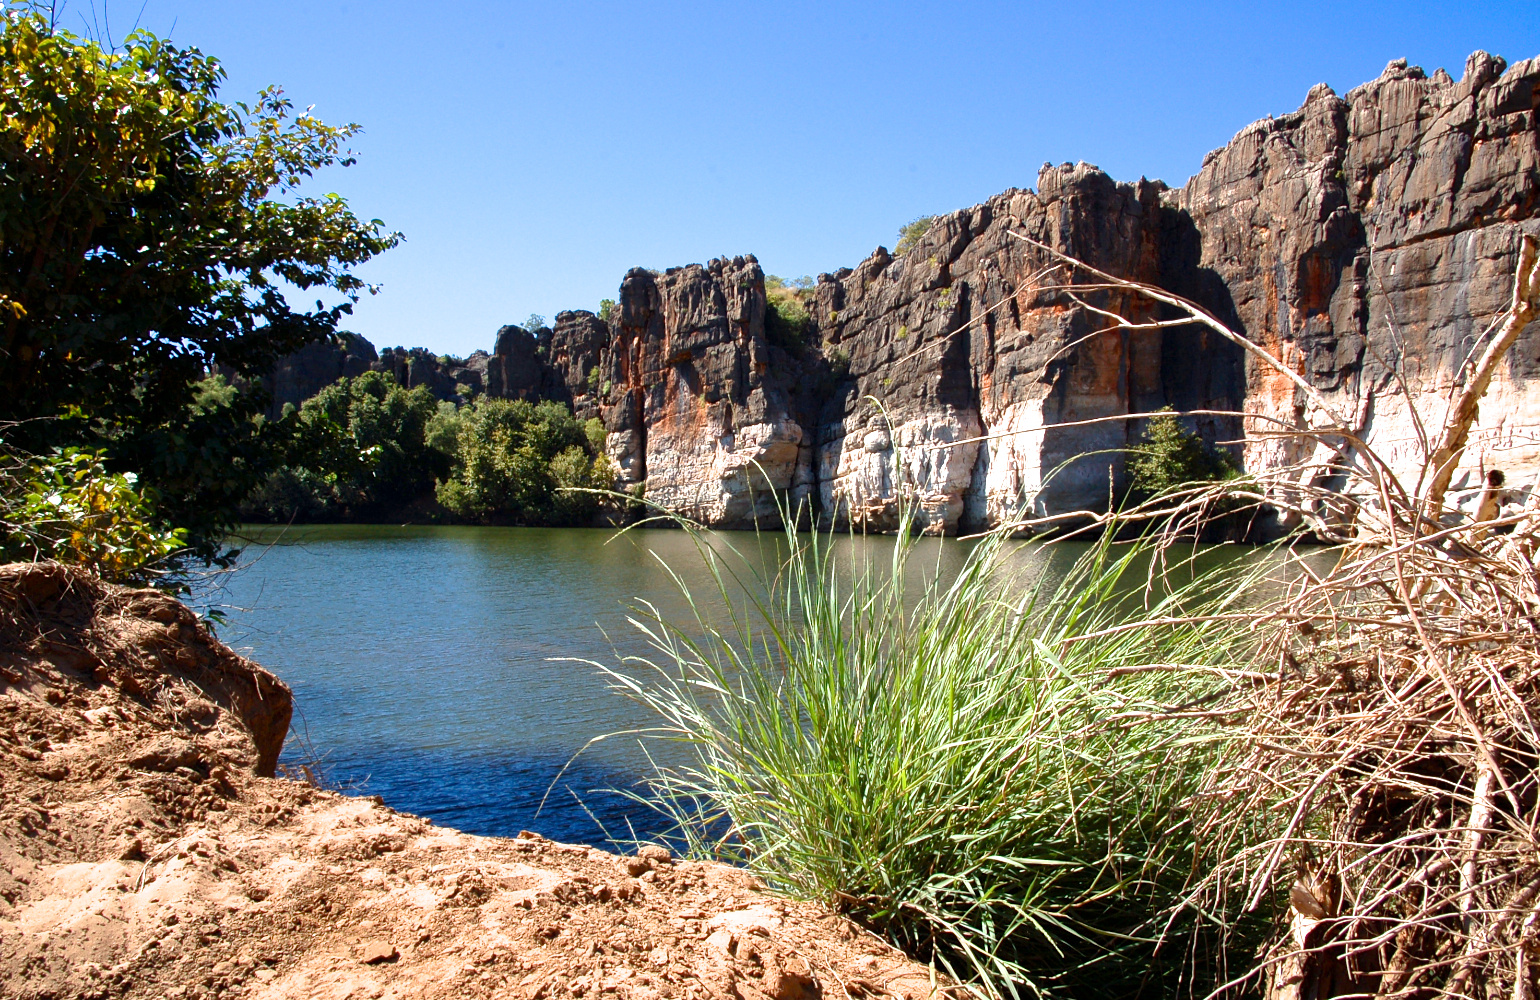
(434, 666)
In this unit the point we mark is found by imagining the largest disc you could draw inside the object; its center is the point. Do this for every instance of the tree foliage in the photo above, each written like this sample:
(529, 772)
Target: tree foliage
(366, 453)
(376, 450)
(521, 462)
(1172, 456)
(384, 433)
(147, 233)
(66, 506)
(909, 234)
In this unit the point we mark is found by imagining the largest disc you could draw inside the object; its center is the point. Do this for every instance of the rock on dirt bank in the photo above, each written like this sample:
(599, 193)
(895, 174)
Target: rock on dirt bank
(149, 852)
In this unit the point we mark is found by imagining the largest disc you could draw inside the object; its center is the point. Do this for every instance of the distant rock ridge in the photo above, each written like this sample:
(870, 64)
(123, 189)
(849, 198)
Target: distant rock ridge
(1355, 236)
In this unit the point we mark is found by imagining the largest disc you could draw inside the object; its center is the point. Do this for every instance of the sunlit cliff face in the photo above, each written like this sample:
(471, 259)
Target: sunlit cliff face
(1365, 240)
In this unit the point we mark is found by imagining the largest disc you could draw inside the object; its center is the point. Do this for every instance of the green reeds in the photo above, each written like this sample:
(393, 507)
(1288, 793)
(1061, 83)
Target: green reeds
(998, 775)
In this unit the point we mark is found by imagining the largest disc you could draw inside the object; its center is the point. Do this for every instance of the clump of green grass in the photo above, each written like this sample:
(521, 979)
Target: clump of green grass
(999, 777)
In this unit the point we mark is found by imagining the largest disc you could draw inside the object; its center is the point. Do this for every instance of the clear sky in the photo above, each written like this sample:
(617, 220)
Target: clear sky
(532, 152)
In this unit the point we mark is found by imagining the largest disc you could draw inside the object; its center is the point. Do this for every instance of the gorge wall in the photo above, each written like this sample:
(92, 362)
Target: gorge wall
(1366, 240)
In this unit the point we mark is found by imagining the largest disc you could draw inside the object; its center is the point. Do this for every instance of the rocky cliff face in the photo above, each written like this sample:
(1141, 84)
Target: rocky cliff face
(1357, 238)
(1370, 239)
(1366, 239)
(982, 383)
(698, 404)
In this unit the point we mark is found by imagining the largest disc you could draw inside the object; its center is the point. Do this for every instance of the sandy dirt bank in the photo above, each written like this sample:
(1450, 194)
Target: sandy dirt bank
(148, 852)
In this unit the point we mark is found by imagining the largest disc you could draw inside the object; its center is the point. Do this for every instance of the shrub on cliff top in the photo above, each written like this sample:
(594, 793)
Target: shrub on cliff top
(909, 235)
(788, 319)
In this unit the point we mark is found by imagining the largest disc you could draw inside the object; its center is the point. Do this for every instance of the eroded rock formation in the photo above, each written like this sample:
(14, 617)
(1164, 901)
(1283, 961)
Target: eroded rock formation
(1367, 240)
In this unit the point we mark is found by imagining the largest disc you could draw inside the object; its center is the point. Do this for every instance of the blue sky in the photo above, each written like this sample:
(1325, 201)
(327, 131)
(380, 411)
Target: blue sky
(532, 152)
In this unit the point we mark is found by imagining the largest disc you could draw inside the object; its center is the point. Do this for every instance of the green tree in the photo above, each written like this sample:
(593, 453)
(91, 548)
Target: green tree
(607, 310)
(387, 425)
(517, 461)
(367, 453)
(148, 231)
(593, 429)
(909, 235)
(1171, 457)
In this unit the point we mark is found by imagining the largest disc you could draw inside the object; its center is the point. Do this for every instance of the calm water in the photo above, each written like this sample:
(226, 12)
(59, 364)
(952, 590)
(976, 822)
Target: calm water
(428, 662)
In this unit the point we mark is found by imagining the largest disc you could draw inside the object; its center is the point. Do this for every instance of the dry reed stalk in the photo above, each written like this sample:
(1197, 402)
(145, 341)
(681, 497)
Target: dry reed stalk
(1390, 716)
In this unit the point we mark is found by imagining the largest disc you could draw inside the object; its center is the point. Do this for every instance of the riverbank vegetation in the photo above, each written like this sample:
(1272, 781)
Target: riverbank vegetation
(1000, 780)
(146, 226)
(369, 454)
(1139, 779)
(1170, 457)
(382, 451)
(516, 460)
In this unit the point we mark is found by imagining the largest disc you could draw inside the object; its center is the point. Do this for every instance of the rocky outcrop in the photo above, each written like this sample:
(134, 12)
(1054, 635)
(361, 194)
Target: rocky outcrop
(973, 388)
(447, 378)
(1367, 240)
(580, 342)
(313, 367)
(143, 854)
(698, 405)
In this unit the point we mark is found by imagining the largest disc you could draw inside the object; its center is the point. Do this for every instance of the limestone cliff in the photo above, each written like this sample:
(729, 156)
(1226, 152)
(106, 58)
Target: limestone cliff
(1365, 239)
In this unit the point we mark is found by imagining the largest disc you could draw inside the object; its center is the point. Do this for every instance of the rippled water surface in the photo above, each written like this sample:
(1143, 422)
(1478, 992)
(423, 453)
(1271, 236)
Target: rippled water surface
(427, 662)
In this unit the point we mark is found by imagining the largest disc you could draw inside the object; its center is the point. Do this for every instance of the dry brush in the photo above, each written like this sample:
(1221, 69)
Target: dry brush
(1390, 724)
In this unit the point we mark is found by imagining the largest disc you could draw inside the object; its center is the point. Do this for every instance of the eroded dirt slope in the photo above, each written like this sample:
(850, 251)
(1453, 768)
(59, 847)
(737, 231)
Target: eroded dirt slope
(148, 852)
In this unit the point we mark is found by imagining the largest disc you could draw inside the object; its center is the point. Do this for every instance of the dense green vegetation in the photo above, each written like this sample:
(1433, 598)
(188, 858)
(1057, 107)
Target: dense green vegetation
(368, 454)
(1171, 457)
(385, 451)
(988, 775)
(145, 228)
(516, 461)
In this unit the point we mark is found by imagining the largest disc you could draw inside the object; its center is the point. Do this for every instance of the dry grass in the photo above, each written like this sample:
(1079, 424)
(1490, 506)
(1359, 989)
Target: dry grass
(1391, 731)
